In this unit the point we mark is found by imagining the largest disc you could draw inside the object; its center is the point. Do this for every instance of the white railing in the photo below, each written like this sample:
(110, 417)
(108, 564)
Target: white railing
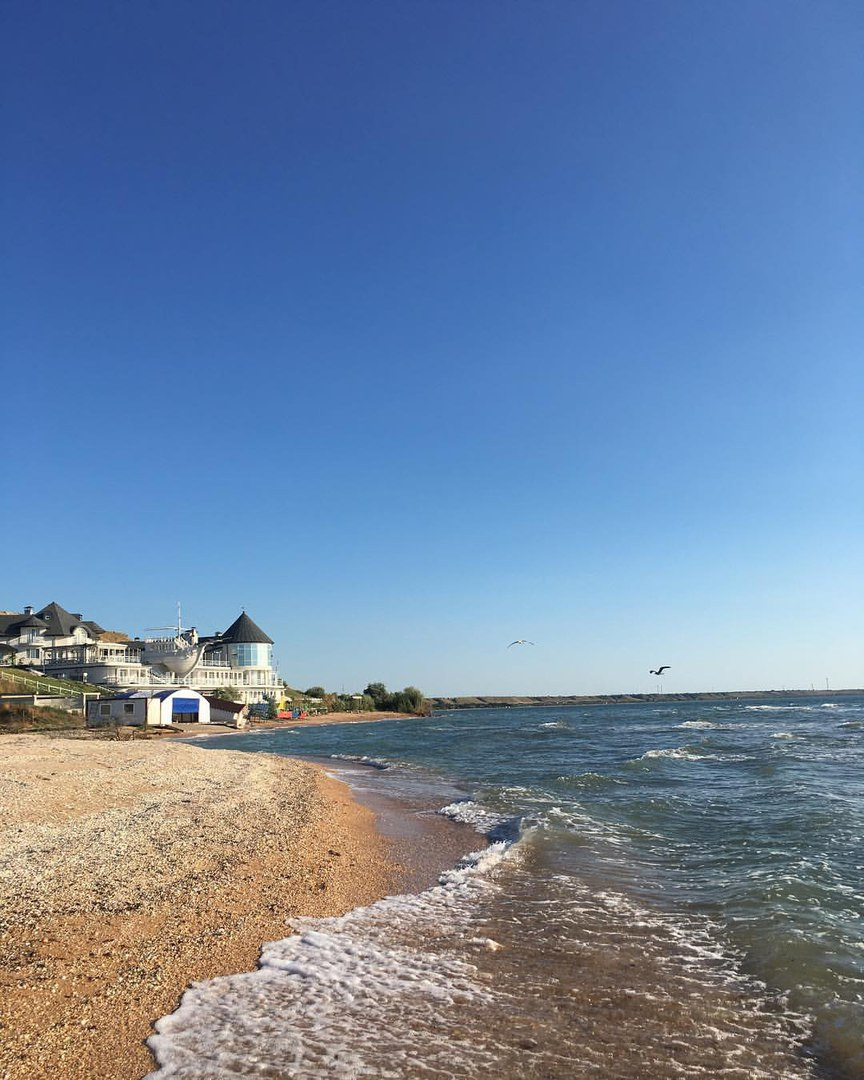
(40, 686)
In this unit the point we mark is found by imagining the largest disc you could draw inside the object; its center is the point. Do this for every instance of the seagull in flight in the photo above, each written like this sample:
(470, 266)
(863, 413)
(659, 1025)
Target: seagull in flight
(659, 670)
(520, 641)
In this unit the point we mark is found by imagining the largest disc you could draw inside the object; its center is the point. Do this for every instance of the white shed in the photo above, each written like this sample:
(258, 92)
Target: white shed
(141, 708)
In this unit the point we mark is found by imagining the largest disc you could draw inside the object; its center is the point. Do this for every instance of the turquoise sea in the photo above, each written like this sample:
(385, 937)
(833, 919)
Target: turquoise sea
(649, 891)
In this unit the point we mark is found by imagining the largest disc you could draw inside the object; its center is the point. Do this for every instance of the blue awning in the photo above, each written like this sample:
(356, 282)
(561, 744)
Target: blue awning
(184, 705)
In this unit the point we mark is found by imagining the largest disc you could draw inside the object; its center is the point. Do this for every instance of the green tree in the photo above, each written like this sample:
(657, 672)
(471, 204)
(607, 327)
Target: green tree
(410, 700)
(380, 695)
(227, 693)
(315, 691)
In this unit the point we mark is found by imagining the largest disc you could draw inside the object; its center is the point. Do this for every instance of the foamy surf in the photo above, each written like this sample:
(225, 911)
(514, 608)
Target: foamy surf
(322, 1001)
(481, 819)
(482, 976)
(676, 753)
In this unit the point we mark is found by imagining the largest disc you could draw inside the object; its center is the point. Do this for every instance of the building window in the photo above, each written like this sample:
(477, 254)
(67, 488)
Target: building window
(251, 655)
(104, 710)
(128, 707)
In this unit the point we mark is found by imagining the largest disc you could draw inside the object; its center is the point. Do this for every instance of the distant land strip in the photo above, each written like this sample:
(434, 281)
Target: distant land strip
(487, 702)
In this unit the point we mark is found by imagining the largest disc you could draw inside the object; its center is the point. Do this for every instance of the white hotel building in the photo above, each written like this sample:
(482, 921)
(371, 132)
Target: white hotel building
(60, 643)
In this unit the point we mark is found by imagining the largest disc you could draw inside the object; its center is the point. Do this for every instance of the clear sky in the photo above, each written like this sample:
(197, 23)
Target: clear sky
(416, 327)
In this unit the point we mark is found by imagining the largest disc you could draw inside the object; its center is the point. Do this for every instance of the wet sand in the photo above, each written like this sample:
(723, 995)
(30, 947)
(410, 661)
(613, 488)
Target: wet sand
(129, 869)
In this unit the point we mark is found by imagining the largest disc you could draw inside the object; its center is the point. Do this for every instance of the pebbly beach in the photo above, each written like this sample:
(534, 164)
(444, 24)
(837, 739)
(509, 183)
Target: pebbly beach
(129, 869)
(135, 873)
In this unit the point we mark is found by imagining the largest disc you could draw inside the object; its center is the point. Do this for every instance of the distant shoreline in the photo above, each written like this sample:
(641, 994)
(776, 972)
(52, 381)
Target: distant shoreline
(495, 702)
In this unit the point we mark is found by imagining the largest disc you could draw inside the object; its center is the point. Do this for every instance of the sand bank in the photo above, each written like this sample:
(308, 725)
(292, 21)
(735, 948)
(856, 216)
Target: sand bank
(265, 725)
(129, 869)
(351, 718)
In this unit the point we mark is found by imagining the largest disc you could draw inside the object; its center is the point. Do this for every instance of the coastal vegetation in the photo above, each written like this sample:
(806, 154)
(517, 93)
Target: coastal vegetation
(16, 719)
(18, 714)
(409, 700)
(375, 698)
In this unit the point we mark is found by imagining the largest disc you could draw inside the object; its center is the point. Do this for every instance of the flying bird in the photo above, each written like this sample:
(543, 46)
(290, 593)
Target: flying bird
(659, 670)
(520, 641)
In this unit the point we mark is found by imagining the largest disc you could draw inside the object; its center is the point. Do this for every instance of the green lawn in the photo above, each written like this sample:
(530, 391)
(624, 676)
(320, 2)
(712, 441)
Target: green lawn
(25, 682)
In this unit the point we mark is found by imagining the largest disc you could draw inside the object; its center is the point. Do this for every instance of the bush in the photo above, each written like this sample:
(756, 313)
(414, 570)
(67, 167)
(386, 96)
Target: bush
(15, 719)
(409, 700)
(226, 693)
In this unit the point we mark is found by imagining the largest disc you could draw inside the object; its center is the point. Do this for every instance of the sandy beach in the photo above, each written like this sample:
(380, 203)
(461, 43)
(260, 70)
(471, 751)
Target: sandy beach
(130, 868)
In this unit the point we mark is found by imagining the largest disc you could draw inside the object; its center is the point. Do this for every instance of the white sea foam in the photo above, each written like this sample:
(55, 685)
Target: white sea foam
(699, 724)
(577, 821)
(483, 820)
(677, 753)
(404, 987)
(792, 708)
(362, 759)
(319, 1003)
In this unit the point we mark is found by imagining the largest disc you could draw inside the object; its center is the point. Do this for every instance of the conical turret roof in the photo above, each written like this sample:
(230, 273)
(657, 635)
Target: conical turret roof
(243, 630)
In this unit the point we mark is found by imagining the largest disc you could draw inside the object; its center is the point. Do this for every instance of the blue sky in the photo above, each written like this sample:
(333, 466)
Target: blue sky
(416, 327)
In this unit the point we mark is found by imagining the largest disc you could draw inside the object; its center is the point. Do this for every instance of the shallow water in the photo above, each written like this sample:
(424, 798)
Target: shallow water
(671, 890)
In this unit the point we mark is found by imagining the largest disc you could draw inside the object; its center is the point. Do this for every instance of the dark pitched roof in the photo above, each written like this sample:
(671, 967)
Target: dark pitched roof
(11, 624)
(7, 622)
(94, 627)
(32, 620)
(224, 704)
(245, 631)
(61, 622)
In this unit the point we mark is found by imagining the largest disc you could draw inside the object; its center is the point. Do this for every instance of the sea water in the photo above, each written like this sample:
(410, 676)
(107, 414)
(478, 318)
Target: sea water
(649, 891)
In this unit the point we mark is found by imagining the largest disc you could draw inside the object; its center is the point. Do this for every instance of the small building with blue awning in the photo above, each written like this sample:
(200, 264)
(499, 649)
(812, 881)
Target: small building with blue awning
(142, 708)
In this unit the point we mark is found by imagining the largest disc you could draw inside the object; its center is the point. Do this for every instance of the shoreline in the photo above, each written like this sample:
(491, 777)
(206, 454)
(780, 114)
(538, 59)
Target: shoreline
(184, 731)
(132, 868)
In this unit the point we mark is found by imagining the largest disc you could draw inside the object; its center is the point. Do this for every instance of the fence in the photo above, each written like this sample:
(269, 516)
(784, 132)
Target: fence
(43, 692)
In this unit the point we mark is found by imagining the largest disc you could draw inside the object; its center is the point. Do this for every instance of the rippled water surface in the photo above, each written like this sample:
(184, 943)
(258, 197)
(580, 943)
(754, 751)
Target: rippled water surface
(672, 890)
